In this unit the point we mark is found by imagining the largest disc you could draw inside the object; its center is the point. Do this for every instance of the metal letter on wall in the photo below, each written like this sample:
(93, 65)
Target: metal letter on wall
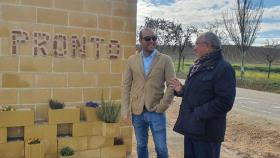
(78, 46)
(40, 39)
(18, 36)
(98, 41)
(60, 45)
(114, 49)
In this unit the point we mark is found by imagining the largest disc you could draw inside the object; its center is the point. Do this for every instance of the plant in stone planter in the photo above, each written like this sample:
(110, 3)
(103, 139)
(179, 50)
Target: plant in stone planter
(92, 104)
(8, 108)
(34, 141)
(67, 152)
(108, 112)
(56, 104)
(34, 148)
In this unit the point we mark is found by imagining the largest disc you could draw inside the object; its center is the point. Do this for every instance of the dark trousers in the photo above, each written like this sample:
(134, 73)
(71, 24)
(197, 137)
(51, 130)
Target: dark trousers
(201, 149)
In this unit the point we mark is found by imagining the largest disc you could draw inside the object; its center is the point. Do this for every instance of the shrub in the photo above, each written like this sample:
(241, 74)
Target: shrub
(108, 112)
(56, 105)
(67, 151)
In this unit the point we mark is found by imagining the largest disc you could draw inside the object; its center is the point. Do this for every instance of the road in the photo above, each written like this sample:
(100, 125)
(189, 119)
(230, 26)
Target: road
(260, 102)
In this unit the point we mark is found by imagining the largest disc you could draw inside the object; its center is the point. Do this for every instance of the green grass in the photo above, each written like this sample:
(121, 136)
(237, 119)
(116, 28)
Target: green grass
(255, 76)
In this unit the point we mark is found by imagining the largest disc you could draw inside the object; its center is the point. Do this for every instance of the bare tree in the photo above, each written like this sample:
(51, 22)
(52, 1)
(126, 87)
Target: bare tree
(242, 24)
(217, 28)
(271, 54)
(182, 39)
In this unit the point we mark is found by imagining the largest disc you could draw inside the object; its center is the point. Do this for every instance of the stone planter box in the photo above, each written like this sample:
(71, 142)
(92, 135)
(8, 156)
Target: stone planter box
(66, 115)
(90, 113)
(34, 150)
(116, 151)
(73, 156)
(111, 129)
(20, 117)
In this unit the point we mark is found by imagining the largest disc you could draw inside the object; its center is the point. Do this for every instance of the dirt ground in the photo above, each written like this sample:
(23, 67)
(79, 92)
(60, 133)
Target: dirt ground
(249, 135)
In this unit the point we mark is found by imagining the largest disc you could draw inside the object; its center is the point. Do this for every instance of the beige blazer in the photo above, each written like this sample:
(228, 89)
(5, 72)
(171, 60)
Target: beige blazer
(139, 90)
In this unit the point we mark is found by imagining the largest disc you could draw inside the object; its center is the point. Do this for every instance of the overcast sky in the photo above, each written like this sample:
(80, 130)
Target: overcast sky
(202, 11)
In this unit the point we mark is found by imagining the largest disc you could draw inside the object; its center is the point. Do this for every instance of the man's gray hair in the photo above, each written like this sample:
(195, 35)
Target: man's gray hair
(211, 38)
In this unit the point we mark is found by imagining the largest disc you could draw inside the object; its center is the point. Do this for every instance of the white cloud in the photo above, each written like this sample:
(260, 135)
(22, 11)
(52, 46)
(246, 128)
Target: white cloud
(199, 12)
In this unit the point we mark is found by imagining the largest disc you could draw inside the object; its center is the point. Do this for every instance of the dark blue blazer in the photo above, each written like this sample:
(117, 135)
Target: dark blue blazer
(207, 97)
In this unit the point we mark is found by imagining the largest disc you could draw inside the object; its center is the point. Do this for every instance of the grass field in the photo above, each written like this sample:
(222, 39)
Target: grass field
(255, 76)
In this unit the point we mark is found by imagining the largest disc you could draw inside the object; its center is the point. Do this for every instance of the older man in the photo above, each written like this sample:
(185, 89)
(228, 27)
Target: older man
(143, 94)
(208, 94)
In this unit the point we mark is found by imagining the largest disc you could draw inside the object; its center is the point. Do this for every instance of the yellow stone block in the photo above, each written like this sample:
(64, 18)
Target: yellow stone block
(20, 117)
(51, 16)
(5, 46)
(95, 93)
(98, 6)
(29, 96)
(3, 135)
(17, 80)
(124, 10)
(51, 155)
(35, 64)
(118, 66)
(47, 133)
(128, 143)
(12, 149)
(95, 153)
(118, 24)
(76, 143)
(117, 151)
(69, 4)
(67, 65)
(10, 1)
(83, 20)
(73, 156)
(130, 25)
(41, 3)
(4, 31)
(66, 115)
(108, 80)
(104, 22)
(124, 38)
(9, 63)
(87, 129)
(111, 129)
(8, 96)
(81, 80)
(126, 132)
(68, 94)
(98, 66)
(96, 142)
(18, 13)
(51, 80)
(116, 93)
(34, 150)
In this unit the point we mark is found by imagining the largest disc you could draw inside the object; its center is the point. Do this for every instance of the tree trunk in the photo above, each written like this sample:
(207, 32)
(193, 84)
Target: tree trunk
(242, 68)
(269, 68)
(183, 63)
(179, 62)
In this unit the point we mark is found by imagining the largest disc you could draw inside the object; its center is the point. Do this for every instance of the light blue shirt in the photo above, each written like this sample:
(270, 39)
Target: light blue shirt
(147, 61)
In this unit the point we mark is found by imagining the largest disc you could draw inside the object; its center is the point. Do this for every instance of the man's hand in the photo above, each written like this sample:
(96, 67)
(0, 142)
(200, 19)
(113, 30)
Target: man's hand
(126, 120)
(175, 84)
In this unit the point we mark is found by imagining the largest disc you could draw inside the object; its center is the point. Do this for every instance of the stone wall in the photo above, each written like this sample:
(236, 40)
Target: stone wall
(68, 50)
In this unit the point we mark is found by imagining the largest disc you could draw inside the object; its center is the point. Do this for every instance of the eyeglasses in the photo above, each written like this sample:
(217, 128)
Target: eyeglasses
(148, 38)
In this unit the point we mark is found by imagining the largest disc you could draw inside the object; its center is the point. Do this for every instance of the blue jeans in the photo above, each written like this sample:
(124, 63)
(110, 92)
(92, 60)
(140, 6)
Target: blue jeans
(157, 123)
(201, 149)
